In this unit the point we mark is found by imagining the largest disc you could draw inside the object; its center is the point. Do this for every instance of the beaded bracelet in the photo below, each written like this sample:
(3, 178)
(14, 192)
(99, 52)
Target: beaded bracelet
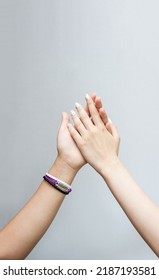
(57, 184)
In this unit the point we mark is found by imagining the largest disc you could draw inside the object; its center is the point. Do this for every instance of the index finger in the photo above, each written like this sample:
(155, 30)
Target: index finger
(94, 112)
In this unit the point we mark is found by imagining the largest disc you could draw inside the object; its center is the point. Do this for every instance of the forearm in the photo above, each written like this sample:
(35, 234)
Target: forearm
(23, 232)
(141, 211)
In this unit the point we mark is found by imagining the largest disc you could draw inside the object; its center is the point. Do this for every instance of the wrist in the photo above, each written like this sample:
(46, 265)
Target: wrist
(110, 167)
(60, 169)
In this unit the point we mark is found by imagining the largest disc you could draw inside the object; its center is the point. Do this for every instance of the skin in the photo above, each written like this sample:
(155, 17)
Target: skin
(23, 232)
(98, 142)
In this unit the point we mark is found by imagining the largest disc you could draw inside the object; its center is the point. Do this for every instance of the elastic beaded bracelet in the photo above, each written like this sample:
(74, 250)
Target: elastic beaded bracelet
(57, 184)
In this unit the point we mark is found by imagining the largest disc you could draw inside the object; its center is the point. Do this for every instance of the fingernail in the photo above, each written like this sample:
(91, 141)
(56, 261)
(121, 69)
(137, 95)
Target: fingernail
(77, 105)
(87, 96)
(69, 125)
(73, 113)
(109, 120)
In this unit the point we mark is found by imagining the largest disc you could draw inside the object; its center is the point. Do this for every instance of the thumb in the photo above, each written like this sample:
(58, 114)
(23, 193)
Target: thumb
(62, 129)
(65, 120)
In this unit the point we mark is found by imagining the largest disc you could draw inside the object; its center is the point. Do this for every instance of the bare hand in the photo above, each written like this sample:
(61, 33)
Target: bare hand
(66, 146)
(97, 142)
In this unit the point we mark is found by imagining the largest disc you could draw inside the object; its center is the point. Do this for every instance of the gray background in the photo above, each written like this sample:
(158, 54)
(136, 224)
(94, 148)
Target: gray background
(52, 54)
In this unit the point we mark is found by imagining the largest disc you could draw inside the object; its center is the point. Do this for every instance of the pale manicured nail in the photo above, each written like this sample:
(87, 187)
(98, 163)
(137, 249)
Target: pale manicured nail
(73, 113)
(110, 121)
(77, 105)
(87, 97)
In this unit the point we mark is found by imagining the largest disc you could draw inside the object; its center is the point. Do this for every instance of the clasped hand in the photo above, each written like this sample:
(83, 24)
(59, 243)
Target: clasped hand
(92, 138)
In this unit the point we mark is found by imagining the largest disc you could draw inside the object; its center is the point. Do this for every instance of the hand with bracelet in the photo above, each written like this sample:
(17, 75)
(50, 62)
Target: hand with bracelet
(22, 233)
(99, 143)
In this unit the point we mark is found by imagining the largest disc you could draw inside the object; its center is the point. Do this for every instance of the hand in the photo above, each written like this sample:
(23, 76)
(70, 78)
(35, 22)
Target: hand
(66, 146)
(67, 149)
(98, 103)
(97, 142)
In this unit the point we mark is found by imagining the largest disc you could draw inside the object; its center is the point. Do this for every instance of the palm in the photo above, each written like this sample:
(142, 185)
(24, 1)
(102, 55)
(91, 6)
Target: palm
(66, 146)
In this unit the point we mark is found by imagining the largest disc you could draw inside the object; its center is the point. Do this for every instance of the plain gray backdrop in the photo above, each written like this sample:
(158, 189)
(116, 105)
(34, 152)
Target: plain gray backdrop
(53, 52)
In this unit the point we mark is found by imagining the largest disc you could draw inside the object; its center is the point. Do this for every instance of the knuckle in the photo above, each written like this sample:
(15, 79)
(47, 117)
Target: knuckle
(77, 122)
(84, 116)
(92, 133)
(86, 138)
(102, 127)
(94, 130)
(73, 132)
